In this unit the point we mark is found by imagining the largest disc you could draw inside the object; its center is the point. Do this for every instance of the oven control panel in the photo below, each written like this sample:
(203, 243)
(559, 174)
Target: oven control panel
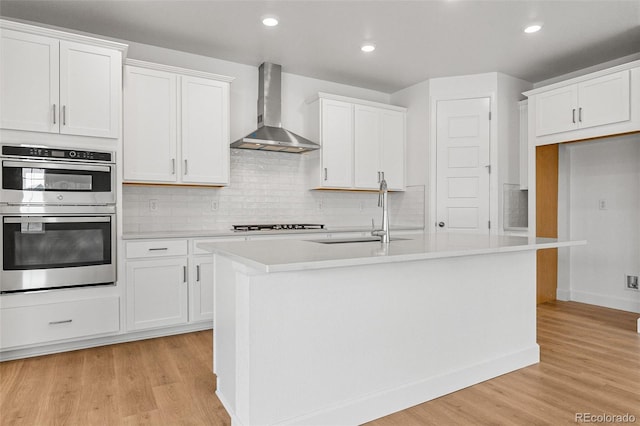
(57, 153)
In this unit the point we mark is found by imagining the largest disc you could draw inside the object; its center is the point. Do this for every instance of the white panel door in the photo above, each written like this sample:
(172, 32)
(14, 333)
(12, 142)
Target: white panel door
(604, 100)
(201, 291)
(150, 125)
(392, 157)
(90, 90)
(367, 144)
(156, 293)
(337, 143)
(205, 131)
(462, 139)
(557, 111)
(29, 82)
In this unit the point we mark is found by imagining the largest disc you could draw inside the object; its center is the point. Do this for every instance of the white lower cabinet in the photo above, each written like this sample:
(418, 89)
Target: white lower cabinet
(166, 286)
(50, 322)
(201, 289)
(156, 293)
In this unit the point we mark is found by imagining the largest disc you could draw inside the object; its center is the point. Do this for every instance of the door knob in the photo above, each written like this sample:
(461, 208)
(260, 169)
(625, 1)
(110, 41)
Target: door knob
(441, 224)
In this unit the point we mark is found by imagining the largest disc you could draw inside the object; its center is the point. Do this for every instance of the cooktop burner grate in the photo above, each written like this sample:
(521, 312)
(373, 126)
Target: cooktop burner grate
(277, 226)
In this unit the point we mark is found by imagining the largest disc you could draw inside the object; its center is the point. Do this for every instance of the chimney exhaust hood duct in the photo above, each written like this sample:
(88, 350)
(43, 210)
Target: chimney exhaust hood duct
(270, 135)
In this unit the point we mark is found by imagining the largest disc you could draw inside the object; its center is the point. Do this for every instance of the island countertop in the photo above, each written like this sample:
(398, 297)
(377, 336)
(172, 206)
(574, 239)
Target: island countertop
(296, 255)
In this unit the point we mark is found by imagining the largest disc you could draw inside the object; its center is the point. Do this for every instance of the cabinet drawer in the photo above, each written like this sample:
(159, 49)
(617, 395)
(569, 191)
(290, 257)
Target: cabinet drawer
(28, 325)
(157, 248)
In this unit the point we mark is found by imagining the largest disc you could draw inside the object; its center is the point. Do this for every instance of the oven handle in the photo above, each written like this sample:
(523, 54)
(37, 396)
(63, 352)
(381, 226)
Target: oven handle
(38, 219)
(61, 166)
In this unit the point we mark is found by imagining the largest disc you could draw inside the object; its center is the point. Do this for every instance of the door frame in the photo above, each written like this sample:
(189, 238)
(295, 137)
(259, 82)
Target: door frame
(494, 214)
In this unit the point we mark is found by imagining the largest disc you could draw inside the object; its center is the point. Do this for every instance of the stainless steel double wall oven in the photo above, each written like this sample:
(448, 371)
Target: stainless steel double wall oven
(58, 218)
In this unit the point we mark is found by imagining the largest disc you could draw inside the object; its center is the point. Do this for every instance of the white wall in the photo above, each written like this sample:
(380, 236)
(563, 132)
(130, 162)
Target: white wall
(607, 170)
(416, 99)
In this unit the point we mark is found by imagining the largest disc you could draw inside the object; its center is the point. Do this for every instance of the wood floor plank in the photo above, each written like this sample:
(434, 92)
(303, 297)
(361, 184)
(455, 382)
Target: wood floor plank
(590, 362)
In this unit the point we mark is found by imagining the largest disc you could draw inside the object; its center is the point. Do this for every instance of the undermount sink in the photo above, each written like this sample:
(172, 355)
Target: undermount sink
(354, 240)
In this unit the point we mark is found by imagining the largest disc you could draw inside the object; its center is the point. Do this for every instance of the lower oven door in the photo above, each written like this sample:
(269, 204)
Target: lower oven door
(46, 252)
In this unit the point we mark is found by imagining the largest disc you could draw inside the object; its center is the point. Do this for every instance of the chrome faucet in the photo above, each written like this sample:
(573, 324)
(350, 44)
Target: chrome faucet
(382, 202)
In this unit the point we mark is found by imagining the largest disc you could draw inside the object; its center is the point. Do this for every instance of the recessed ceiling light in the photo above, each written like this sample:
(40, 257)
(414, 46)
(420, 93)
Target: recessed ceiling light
(270, 21)
(368, 47)
(533, 28)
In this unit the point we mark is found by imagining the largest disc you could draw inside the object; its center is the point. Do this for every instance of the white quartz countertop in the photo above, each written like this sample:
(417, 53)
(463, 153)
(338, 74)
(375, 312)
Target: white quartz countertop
(295, 255)
(231, 233)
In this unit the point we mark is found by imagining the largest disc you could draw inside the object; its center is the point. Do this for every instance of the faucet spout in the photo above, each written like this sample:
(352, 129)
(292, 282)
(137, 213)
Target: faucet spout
(383, 233)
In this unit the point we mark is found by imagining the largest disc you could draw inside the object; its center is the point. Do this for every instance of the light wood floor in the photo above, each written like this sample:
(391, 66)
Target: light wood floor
(590, 362)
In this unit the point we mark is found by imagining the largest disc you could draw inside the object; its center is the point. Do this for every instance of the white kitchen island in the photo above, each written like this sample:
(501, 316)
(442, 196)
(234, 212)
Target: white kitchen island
(340, 334)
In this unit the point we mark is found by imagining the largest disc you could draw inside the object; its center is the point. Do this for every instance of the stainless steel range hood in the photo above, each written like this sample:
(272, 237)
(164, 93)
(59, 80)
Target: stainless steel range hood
(270, 136)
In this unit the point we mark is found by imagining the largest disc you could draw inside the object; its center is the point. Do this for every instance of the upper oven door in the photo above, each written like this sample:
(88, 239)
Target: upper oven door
(57, 182)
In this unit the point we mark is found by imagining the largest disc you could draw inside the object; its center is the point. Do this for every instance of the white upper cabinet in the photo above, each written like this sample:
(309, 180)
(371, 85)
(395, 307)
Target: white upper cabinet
(176, 125)
(150, 125)
(59, 83)
(336, 138)
(361, 142)
(205, 130)
(90, 90)
(599, 104)
(379, 147)
(367, 139)
(29, 82)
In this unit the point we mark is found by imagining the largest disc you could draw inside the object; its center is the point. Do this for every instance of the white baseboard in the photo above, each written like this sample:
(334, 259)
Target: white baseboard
(563, 295)
(380, 404)
(605, 301)
(46, 349)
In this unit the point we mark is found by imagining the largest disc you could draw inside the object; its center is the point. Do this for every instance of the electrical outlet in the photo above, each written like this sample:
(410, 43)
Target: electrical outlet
(602, 204)
(361, 205)
(320, 205)
(214, 206)
(632, 282)
(153, 205)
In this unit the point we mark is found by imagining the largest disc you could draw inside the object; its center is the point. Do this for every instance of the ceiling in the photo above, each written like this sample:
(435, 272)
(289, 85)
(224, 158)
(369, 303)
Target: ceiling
(415, 40)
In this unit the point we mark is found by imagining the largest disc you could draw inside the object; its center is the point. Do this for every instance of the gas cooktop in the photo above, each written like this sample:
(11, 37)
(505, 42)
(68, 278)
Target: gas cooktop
(277, 227)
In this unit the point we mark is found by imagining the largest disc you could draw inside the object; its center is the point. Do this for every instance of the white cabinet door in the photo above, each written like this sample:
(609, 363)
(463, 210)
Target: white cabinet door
(604, 100)
(201, 290)
(205, 131)
(367, 143)
(150, 125)
(336, 136)
(392, 144)
(156, 293)
(557, 111)
(89, 90)
(29, 82)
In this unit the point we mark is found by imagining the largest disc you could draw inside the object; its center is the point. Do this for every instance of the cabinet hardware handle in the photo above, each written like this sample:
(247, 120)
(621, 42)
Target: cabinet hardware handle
(173, 166)
(441, 224)
(198, 273)
(325, 173)
(60, 322)
(580, 114)
(158, 248)
(573, 115)
(185, 167)
(378, 177)
(184, 274)
(64, 115)
(382, 175)
(54, 113)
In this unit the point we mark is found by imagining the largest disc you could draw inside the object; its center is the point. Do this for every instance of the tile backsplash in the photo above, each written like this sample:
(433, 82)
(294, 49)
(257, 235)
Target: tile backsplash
(266, 187)
(515, 207)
